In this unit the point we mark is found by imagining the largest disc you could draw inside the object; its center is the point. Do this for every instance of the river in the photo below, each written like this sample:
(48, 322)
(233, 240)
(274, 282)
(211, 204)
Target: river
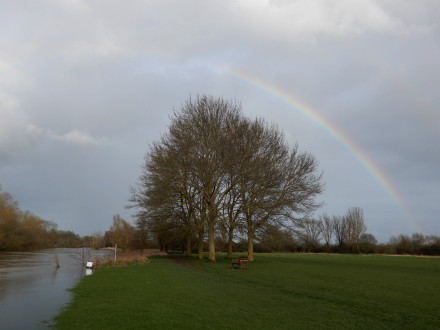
(33, 289)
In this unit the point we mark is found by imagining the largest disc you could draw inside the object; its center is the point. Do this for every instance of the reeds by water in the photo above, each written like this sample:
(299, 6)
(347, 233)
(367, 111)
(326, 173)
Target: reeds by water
(124, 259)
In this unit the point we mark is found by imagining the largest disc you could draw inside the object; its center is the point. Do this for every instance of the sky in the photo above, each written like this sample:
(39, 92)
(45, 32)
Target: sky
(87, 86)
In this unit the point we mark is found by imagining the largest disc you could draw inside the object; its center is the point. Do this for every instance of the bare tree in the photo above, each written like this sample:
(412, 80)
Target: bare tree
(204, 124)
(309, 233)
(355, 227)
(368, 243)
(368, 238)
(275, 238)
(349, 229)
(189, 163)
(326, 224)
(402, 244)
(121, 232)
(276, 182)
(418, 239)
(339, 227)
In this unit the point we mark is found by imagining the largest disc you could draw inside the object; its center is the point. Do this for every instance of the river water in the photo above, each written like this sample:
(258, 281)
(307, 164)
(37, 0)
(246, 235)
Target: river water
(33, 289)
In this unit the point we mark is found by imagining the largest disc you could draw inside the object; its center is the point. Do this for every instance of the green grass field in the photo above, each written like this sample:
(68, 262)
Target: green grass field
(278, 291)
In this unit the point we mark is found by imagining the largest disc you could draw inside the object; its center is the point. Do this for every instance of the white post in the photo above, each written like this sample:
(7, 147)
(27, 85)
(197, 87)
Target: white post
(116, 248)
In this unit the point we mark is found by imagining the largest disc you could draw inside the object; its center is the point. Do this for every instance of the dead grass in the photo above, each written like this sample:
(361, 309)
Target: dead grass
(124, 259)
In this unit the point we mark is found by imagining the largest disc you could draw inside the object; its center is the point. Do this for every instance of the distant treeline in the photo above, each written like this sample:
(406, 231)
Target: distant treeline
(24, 231)
(343, 234)
(275, 240)
(326, 234)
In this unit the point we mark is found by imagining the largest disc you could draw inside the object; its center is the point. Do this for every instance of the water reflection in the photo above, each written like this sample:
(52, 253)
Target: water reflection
(33, 285)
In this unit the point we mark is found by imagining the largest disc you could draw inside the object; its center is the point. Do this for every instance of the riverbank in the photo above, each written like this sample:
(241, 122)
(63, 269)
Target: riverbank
(277, 291)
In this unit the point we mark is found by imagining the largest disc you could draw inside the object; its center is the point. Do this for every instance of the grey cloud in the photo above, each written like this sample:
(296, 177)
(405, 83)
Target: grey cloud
(86, 86)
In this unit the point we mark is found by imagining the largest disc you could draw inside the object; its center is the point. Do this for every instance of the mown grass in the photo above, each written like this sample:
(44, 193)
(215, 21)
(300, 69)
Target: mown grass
(278, 291)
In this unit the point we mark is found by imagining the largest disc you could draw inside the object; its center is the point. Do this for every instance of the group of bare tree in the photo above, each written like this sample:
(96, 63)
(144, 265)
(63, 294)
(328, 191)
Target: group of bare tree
(217, 172)
(346, 233)
(417, 243)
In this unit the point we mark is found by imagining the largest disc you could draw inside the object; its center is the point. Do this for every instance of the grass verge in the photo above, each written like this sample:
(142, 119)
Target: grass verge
(278, 291)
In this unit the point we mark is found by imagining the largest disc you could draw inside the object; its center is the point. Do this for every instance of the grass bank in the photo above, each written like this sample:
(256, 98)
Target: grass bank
(278, 291)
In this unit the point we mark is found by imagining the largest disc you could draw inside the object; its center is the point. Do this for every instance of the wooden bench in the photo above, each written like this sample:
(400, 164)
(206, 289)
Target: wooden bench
(240, 263)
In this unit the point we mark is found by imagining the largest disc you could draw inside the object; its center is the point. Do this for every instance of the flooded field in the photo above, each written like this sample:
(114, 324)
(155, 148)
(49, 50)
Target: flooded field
(34, 285)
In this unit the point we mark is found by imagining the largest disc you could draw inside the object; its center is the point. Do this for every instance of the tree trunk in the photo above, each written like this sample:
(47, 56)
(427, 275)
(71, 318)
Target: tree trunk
(230, 242)
(188, 245)
(251, 246)
(200, 254)
(211, 241)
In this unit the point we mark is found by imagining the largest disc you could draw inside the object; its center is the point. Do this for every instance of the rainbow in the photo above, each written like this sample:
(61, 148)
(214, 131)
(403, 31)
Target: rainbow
(295, 102)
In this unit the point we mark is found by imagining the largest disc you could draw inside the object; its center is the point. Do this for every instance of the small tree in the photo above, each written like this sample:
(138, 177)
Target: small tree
(121, 232)
(340, 230)
(276, 239)
(402, 244)
(367, 243)
(326, 224)
(355, 227)
(309, 234)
